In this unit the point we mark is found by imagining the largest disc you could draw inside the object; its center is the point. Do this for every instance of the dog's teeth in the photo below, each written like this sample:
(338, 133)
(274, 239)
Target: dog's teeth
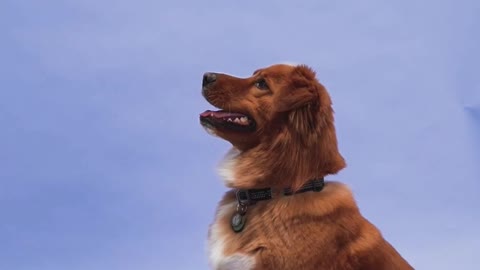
(229, 120)
(237, 120)
(244, 119)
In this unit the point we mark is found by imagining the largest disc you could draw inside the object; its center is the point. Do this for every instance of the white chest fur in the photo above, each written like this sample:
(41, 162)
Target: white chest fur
(226, 167)
(217, 243)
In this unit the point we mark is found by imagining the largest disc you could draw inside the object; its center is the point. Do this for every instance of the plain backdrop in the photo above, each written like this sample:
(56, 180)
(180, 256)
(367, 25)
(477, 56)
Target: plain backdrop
(103, 164)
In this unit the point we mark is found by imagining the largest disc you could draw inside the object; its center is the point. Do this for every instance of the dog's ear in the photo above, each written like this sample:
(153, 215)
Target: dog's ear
(296, 98)
(301, 100)
(301, 90)
(313, 125)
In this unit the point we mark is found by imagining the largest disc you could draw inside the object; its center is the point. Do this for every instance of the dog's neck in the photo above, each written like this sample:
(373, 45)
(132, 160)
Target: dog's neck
(245, 170)
(262, 168)
(289, 159)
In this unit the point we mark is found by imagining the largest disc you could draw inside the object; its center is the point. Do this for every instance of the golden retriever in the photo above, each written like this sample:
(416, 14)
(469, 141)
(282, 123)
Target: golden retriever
(279, 213)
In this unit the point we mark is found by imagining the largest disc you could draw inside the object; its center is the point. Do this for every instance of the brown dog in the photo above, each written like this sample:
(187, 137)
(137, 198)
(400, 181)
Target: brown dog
(279, 213)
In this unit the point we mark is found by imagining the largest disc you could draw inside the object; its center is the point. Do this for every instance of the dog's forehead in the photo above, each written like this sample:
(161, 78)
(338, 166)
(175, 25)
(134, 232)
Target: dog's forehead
(275, 69)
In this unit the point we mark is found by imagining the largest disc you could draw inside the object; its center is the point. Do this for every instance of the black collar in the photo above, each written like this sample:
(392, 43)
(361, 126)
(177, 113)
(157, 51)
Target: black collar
(246, 197)
(251, 196)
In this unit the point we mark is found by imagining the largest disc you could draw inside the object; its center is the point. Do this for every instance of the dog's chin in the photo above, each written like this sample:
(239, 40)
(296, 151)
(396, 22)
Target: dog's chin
(216, 122)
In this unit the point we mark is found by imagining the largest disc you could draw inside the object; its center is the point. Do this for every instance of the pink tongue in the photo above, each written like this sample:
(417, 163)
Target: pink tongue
(220, 114)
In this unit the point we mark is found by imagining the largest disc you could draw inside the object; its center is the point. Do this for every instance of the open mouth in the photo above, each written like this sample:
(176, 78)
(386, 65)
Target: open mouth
(227, 120)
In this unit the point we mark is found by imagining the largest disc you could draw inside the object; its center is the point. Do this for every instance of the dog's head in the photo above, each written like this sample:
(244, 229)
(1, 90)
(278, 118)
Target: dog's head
(279, 108)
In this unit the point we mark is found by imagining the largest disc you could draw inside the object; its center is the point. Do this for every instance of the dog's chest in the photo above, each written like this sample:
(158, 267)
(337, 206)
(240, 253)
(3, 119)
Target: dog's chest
(218, 241)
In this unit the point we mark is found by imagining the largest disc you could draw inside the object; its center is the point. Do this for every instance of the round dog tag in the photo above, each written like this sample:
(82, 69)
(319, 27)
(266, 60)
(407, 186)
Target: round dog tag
(238, 222)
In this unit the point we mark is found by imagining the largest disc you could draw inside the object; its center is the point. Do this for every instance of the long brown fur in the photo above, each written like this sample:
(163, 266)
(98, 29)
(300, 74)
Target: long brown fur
(295, 141)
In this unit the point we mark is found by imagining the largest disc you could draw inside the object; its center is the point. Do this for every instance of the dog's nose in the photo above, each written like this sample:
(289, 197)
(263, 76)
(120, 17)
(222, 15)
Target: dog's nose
(208, 79)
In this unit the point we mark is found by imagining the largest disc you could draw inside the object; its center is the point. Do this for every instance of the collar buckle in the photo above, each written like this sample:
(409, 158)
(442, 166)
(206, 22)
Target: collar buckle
(243, 197)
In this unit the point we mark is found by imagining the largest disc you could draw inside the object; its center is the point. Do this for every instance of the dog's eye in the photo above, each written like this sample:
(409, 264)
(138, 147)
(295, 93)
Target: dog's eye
(261, 84)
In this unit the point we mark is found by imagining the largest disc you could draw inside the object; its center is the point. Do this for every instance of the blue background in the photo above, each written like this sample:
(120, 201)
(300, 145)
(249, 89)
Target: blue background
(103, 164)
